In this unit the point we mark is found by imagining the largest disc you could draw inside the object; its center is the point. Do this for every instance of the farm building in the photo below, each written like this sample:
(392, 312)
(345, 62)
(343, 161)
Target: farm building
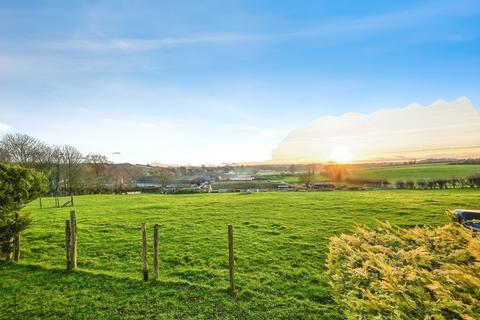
(284, 187)
(147, 182)
(323, 186)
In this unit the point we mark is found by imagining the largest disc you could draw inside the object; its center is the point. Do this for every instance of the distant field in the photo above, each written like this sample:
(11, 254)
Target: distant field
(281, 241)
(415, 172)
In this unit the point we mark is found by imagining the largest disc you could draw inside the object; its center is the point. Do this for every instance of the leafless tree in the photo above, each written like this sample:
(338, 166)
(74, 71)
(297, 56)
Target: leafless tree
(165, 176)
(292, 169)
(21, 148)
(308, 176)
(4, 156)
(96, 171)
(71, 160)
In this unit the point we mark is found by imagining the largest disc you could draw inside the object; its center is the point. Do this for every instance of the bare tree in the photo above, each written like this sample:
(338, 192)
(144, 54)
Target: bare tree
(96, 171)
(4, 156)
(71, 160)
(21, 148)
(292, 169)
(165, 176)
(308, 176)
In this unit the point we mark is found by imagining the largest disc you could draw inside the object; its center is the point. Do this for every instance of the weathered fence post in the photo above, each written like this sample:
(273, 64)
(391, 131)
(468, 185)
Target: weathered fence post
(40, 202)
(231, 259)
(144, 252)
(10, 244)
(71, 199)
(73, 241)
(16, 256)
(155, 251)
(17, 248)
(68, 238)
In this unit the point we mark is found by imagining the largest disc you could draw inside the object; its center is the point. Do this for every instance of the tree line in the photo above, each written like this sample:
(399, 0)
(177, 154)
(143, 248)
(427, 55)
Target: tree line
(67, 170)
(472, 181)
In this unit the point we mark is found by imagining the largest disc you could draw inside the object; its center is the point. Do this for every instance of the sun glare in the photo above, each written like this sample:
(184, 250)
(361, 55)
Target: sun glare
(341, 154)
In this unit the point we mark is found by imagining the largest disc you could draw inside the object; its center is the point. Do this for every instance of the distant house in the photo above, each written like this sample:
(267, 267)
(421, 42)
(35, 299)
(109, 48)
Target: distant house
(147, 182)
(170, 188)
(284, 187)
(242, 178)
(323, 186)
(180, 186)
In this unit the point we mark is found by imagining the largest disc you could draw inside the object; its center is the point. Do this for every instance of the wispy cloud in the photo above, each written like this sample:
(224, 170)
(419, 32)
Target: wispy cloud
(146, 44)
(4, 127)
(267, 133)
(340, 29)
(162, 124)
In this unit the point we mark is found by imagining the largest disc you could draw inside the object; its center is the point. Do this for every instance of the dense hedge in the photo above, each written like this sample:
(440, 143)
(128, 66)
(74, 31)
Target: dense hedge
(417, 273)
(18, 186)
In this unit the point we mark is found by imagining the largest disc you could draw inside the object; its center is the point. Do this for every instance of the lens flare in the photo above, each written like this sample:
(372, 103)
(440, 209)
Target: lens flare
(341, 154)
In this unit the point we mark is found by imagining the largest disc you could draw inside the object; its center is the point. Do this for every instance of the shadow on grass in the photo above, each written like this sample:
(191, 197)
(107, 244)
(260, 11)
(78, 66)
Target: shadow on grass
(36, 292)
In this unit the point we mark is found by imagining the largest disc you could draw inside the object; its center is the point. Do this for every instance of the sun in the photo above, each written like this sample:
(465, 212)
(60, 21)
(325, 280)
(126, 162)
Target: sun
(341, 154)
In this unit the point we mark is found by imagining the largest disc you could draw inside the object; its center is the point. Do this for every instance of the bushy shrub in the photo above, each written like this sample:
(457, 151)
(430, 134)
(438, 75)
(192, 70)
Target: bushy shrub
(18, 186)
(399, 184)
(474, 180)
(417, 273)
(368, 181)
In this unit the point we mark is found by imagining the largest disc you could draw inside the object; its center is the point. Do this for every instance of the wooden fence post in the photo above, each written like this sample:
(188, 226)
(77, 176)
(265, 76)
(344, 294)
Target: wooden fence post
(155, 251)
(144, 252)
(71, 199)
(40, 202)
(16, 256)
(73, 241)
(16, 243)
(231, 259)
(10, 245)
(68, 238)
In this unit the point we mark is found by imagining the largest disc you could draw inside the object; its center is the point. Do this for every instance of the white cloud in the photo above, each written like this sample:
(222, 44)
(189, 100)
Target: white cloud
(442, 129)
(267, 133)
(162, 124)
(165, 124)
(148, 125)
(144, 44)
(5, 127)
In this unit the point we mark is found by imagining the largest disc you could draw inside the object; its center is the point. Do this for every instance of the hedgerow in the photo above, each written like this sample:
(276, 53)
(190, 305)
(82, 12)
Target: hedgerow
(395, 273)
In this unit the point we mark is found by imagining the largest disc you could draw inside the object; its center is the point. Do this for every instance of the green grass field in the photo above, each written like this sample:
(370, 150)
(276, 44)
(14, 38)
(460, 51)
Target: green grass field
(281, 241)
(415, 172)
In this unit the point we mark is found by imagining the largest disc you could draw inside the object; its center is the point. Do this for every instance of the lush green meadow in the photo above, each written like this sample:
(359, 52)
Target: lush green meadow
(281, 242)
(415, 172)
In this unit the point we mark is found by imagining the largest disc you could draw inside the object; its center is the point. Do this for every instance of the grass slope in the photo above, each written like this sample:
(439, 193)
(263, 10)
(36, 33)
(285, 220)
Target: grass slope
(415, 172)
(281, 242)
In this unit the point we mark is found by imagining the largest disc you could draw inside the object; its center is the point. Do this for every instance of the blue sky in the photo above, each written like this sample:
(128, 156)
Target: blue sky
(222, 81)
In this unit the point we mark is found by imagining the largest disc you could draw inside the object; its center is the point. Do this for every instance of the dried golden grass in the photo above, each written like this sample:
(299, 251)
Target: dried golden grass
(395, 273)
